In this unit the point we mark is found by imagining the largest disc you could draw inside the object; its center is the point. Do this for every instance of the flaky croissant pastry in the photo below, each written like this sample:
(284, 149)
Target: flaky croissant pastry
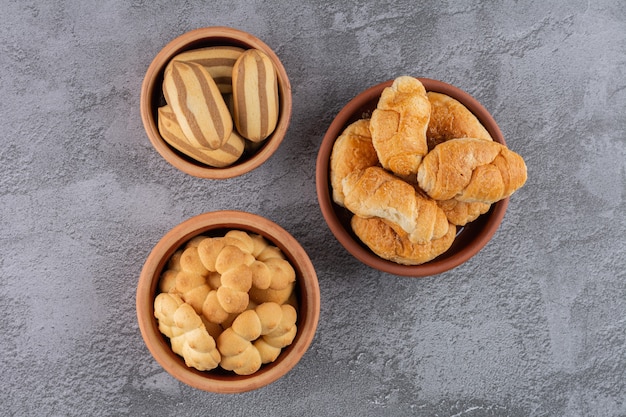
(373, 192)
(398, 126)
(450, 119)
(353, 150)
(471, 170)
(460, 213)
(392, 243)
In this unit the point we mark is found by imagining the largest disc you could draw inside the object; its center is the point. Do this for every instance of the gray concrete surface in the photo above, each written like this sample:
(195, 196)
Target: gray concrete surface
(534, 325)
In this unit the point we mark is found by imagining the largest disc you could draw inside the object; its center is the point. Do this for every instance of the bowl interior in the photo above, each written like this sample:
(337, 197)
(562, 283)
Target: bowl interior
(470, 238)
(152, 98)
(217, 224)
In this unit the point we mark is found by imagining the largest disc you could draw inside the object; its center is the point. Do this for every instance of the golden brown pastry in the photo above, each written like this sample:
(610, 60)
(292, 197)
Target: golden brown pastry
(217, 60)
(198, 104)
(373, 192)
(398, 126)
(471, 170)
(269, 267)
(192, 288)
(268, 252)
(256, 337)
(255, 95)
(237, 289)
(188, 335)
(457, 212)
(460, 213)
(171, 132)
(352, 150)
(283, 334)
(186, 277)
(229, 270)
(272, 277)
(450, 119)
(281, 272)
(241, 239)
(236, 278)
(392, 243)
(282, 296)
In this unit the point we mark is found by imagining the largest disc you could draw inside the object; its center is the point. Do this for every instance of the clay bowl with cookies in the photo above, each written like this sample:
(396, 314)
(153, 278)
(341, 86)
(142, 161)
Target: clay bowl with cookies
(228, 302)
(216, 102)
(392, 184)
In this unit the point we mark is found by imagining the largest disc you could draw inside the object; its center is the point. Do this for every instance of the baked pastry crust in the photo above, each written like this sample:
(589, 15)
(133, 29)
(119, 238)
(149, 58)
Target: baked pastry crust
(471, 170)
(450, 119)
(209, 311)
(221, 157)
(398, 126)
(460, 213)
(193, 96)
(188, 334)
(373, 192)
(353, 150)
(390, 242)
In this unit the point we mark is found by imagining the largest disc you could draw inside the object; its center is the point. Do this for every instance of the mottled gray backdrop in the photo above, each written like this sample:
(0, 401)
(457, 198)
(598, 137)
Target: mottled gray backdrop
(534, 325)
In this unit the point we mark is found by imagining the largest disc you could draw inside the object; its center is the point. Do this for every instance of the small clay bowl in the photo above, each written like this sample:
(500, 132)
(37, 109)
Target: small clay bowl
(152, 98)
(470, 239)
(217, 224)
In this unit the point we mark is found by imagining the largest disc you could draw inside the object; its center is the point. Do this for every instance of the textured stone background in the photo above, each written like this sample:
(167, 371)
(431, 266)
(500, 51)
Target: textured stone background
(534, 325)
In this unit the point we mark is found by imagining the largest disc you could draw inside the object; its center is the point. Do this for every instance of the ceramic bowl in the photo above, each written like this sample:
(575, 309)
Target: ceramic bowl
(217, 223)
(152, 98)
(470, 239)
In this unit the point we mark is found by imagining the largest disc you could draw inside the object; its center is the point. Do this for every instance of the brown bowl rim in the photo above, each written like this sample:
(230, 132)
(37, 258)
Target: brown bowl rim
(204, 37)
(224, 382)
(492, 219)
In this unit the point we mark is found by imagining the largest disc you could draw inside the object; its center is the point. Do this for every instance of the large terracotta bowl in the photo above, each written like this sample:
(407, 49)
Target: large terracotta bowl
(152, 98)
(470, 239)
(217, 223)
